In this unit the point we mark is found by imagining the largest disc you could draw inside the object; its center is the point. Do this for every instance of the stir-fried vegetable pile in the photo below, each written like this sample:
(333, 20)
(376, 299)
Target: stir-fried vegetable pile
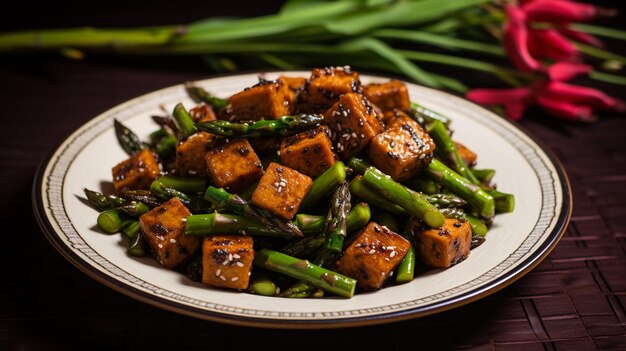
(298, 187)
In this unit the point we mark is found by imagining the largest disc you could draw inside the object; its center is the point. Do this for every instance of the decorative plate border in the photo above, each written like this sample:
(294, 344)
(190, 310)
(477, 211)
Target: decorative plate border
(54, 221)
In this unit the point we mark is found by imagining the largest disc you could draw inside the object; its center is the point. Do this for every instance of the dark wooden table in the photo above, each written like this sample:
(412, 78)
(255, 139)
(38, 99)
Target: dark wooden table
(575, 299)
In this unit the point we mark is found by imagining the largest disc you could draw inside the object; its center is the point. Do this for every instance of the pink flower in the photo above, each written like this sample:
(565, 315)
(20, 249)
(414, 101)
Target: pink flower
(550, 44)
(553, 96)
(562, 11)
(516, 40)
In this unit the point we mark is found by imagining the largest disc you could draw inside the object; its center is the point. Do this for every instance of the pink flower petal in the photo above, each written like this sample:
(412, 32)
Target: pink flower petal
(582, 37)
(559, 11)
(582, 96)
(548, 43)
(566, 110)
(514, 100)
(515, 41)
(564, 71)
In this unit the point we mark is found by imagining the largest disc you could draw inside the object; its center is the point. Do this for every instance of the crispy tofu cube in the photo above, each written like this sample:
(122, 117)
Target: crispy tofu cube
(281, 190)
(202, 113)
(264, 146)
(233, 165)
(468, 156)
(191, 153)
(396, 118)
(388, 96)
(372, 256)
(402, 151)
(326, 86)
(266, 100)
(309, 153)
(137, 172)
(227, 261)
(294, 83)
(163, 228)
(445, 246)
(353, 122)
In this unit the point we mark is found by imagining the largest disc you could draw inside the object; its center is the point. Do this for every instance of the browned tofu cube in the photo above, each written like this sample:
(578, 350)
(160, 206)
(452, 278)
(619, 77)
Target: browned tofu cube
(468, 156)
(281, 190)
(264, 146)
(388, 96)
(233, 165)
(396, 118)
(191, 153)
(326, 86)
(402, 151)
(163, 228)
(266, 100)
(445, 246)
(294, 83)
(372, 256)
(202, 113)
(353, 122)
(227, 261)
(309, 152)
(136, 173)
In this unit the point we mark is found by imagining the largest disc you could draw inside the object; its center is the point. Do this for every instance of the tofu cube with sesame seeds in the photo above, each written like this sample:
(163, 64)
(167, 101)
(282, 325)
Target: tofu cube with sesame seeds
(202, 113)
(136, 172)
(266, 100)
(372, 256)
(294, 83)
(233, 165)
(353, 122)
(227, 261)
(445, 246)
(326, 86)
(281, 190)
(163, 228)
(309, 153)
(388, 96)
(402, 151)
(191, 153)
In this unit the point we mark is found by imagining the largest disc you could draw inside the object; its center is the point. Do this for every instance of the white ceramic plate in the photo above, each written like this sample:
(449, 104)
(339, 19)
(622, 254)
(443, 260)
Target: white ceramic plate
(515, 244)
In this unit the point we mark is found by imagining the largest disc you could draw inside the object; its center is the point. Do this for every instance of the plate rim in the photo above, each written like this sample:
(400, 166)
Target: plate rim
(521, 269)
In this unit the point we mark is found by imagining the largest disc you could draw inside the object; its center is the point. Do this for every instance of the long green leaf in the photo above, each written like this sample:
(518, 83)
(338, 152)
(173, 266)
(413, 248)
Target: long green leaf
(599, 53)
(438, 40)
(600, 31)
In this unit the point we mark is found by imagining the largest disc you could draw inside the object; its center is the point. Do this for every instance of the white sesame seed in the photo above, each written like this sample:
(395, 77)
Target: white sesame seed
(225, 262)
(173, 241)
(192, 172)
(276, 184)
(353, 135)
(160, 246)
(235, 256)
(283, 183)
(234, 279)
(392, 254)
(371, 251)
(422, 156)
(222, 277)
(230, 257)
(278, 152)
(239, 264)
(345, 113)
(277, 290)
(218, 272)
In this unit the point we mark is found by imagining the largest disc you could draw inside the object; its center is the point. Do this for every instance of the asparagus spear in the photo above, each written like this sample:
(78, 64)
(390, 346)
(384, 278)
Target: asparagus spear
(425, 115)
(446, 200)
(144, 196)
(423, 185)
(220, 198)
(262, 284)
(504, 202)
(302, 289)
(335, 223)
(386, 219)
(359, 189)
(449, 151)
(134, 208)
(198, 94)
(415, 204)
(136, 244)
(285, 125)
(219, 223)
(103, 202)
(358, 217)
(463, 188)
(306, 246)
(405, 272)
(183, 121)
(127, 139)
(193, 203)
(304, 270)
(113, 221)
(186, 185)
(484, 175)
(324, 184)
(166, 146)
